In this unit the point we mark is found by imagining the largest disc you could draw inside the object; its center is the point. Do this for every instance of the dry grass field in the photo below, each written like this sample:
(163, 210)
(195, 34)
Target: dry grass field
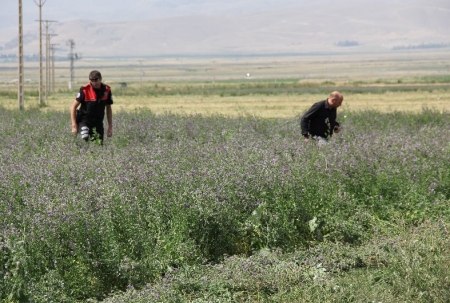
(283, 106)
(273, 86)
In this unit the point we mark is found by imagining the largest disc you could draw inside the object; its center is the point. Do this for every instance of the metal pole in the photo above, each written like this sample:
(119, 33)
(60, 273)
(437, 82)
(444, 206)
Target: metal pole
(20, 85)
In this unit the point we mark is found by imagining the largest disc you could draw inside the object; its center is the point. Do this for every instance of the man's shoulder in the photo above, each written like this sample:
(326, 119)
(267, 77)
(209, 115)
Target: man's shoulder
(84, 88)
(320, 103)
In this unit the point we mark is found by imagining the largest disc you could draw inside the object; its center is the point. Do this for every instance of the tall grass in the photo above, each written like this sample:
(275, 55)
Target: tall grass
(220, 209)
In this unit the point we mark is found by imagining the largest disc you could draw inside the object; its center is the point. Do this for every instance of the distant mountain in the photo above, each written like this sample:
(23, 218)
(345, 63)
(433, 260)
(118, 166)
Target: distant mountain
(203, 27)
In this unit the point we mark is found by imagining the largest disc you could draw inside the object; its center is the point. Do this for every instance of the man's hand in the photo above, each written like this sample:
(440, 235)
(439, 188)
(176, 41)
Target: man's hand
(75, 130)
(306, 140)
(109, 132)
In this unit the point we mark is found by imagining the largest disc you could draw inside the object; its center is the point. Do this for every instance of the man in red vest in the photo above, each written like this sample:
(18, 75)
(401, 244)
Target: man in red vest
(94, 98)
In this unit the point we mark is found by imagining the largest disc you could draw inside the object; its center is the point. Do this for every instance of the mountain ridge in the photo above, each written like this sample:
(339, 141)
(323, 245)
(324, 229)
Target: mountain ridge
(321, 26)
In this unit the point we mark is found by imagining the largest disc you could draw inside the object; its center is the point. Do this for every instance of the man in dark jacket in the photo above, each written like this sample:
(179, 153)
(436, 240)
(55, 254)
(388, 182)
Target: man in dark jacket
(319, 122)
(94, 98)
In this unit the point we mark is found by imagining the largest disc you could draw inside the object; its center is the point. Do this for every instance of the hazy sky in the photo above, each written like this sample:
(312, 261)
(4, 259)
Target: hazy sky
(125, 10)
(226, 22)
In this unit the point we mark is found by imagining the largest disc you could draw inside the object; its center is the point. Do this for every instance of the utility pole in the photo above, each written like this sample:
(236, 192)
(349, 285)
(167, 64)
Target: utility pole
(52, 48)
(72, 57)
(47, 59)
(40, 3)
(47, 56)
(20, 85)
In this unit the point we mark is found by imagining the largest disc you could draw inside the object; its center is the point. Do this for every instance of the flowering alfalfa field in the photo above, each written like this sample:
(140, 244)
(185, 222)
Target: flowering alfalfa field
(178, 208)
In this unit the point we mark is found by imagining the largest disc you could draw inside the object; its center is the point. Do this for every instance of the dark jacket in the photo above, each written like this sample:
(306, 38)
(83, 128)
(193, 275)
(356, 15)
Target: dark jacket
(319, 120)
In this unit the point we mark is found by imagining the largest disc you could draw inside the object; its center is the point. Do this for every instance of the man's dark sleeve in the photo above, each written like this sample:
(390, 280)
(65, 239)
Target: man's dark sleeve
(80, 95)
(110, 98)
(307, 117)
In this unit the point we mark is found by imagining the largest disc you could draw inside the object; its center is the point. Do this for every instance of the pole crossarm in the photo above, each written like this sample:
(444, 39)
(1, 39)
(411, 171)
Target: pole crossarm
(40, 2)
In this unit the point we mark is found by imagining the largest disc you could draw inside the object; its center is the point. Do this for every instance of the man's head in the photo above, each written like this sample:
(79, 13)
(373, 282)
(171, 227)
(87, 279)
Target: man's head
(335, 99)
(96, 78)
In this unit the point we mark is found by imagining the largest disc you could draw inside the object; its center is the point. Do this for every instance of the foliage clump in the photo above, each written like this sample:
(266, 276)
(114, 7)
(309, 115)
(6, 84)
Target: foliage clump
(212, 208)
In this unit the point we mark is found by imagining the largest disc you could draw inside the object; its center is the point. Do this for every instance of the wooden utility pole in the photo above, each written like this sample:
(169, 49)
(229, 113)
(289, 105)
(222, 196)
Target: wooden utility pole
(40, 3)
(20, 85)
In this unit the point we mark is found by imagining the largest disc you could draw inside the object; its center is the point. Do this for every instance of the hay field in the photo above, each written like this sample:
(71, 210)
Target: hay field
(284, 106)
(260, 86)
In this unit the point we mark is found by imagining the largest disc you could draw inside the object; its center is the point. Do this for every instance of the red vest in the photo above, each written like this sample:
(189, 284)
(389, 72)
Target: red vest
(89, 93)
